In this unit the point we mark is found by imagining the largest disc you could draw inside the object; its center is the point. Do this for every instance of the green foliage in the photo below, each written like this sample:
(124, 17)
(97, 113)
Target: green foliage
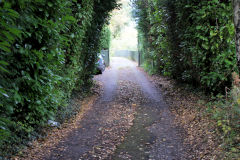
(226, 113)
(192, 41)
(105, 38)
(46, 53)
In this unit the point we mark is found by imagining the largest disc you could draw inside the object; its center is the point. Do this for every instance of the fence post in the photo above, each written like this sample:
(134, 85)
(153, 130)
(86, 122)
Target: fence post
(108, 58)
(139, 58)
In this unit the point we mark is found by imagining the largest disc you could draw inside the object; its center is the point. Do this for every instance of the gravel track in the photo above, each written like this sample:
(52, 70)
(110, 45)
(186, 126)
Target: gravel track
(130, 120)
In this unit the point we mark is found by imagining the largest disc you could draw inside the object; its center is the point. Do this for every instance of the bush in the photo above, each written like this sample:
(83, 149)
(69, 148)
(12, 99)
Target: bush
(47, 49)
(105, 38)
(191, 41)
(226, 113)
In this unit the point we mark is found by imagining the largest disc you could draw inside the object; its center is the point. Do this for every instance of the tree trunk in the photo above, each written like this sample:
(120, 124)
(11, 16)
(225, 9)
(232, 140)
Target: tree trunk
(236, 9)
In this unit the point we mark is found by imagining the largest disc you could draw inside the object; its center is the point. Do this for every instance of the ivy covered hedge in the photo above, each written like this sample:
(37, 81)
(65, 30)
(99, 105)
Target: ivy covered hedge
(47, 49)
(190, 40)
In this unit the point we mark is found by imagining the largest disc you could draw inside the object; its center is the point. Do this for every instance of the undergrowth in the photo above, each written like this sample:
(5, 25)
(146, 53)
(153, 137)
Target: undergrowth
(22, 136)
(225, 110)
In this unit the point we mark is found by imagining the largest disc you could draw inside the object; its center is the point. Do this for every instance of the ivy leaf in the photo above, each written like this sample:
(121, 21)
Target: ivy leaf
(3, 92)
(15, 31)
(198, 27)
(3, 63)
(212, 33)
(69, 18)
(205, 46)
(3, 69)
(50, 4)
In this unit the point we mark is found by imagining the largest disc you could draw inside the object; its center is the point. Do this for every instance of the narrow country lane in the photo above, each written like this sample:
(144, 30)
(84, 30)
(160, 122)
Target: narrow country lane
(129, 121)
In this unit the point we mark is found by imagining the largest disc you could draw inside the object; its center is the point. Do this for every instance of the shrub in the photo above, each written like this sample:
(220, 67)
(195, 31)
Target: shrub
(226, 112)
(48, 49)
(191, 41)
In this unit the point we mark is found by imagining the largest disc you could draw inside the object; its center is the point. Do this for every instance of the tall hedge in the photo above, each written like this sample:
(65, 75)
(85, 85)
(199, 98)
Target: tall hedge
(190, 40)
(47, 49)
(105, 38)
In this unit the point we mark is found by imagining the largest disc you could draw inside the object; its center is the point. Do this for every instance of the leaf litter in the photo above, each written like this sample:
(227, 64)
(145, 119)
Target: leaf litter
(190, 114)
(41, 148)
(97, 129)
(101, 127)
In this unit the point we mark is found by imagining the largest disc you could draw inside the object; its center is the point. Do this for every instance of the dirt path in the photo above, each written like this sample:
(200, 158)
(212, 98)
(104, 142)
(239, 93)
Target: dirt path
(153, 135)
(129, 121)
